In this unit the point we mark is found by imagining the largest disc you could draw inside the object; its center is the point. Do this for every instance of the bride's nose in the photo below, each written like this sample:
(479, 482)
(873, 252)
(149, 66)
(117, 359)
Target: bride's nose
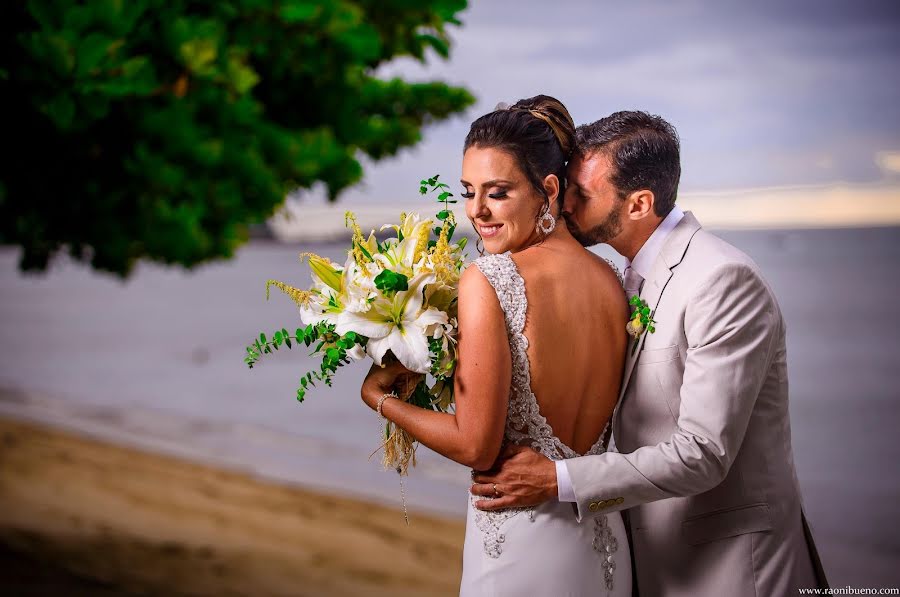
(478, 206)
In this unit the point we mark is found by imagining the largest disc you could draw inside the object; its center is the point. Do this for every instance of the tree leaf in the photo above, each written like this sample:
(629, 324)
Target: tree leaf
(222, 107)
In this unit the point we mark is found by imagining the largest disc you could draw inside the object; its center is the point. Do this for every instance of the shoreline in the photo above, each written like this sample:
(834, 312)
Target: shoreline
(140, 523)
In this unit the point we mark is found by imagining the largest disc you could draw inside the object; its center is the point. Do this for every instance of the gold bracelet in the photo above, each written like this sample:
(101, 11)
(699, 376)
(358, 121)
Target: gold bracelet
(381, 400)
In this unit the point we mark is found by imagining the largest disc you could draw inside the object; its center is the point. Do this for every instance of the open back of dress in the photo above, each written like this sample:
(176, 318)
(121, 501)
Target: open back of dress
(546, 551)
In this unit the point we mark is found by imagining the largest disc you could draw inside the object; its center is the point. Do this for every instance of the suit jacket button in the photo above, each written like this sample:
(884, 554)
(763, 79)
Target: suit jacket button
(620, 500)
(603, 504)
(593, 507)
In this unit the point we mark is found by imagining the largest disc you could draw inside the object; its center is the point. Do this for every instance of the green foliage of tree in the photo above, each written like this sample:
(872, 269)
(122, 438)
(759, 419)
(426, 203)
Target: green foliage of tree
(161, 129)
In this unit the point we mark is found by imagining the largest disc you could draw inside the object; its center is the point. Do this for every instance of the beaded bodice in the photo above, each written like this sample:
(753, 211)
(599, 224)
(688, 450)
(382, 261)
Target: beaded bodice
(525, 425)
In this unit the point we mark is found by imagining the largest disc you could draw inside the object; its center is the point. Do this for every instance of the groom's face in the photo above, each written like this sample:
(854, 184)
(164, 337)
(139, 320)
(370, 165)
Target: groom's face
(592, 208)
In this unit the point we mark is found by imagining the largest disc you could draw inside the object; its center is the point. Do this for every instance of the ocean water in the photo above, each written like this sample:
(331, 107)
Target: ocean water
(156, 362)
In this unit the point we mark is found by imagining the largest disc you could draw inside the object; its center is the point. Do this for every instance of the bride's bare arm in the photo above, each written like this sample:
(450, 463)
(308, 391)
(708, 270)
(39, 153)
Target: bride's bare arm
(472, 436)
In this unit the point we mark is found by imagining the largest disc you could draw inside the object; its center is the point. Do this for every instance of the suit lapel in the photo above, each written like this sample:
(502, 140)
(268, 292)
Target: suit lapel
(651, 293)
(670, 255)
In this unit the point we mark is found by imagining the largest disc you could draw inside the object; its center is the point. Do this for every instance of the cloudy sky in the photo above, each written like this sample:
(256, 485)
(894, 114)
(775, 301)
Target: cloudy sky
(764, 94)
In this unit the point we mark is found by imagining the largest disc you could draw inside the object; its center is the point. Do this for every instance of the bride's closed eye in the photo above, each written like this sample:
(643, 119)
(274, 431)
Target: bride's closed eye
(500, 194)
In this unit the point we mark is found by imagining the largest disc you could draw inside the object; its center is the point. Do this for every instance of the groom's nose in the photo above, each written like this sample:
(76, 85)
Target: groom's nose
(568, 204)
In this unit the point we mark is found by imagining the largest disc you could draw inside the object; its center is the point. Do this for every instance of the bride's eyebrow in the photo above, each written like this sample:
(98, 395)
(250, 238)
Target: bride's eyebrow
(490, 183)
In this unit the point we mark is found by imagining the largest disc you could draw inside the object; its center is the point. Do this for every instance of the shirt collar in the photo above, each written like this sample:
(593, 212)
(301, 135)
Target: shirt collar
(646, 256)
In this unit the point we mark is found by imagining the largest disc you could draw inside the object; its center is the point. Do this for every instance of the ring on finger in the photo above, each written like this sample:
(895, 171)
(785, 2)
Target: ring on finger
(496, 493)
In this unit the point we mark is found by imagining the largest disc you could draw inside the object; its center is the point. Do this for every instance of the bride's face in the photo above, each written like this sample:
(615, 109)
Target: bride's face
(501, 203)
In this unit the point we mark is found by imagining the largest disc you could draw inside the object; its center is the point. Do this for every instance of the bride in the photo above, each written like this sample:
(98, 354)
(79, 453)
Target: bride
(541, 351)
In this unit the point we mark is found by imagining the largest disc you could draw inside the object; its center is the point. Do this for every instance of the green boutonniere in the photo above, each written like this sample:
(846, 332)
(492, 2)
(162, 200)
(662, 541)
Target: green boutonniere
(640, 320)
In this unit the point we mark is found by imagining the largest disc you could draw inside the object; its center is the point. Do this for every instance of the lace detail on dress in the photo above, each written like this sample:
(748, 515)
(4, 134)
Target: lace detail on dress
(616, 270)
(525, 425)
(489, 524)
(606, 543)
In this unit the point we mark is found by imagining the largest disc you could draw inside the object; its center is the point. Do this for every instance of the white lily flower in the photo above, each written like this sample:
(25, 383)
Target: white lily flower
(400, 324)
(357, 353)
(319, 309)
(406, 255)
(358, 285)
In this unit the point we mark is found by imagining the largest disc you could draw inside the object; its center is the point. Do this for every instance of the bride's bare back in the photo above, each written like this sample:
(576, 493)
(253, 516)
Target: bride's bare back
(575, 325)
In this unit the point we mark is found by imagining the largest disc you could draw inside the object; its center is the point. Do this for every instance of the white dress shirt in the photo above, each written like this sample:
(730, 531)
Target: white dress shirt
(642, 264)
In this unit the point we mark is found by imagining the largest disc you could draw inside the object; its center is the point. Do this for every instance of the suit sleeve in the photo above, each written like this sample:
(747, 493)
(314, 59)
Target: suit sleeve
(731, 324)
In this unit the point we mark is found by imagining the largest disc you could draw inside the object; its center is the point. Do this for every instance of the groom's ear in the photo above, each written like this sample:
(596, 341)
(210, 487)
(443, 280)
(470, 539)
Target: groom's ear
(640, 204)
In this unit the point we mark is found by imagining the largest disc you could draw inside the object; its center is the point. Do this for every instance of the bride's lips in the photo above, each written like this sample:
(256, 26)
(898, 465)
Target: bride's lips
(488, 231)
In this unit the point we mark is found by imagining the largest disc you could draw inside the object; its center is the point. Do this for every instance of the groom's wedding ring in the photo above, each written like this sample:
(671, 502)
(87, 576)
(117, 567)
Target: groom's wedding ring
(496, 493)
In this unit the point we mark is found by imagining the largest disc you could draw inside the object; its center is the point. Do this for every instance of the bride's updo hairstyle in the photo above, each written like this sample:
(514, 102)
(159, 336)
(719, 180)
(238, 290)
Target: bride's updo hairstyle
(538, 132)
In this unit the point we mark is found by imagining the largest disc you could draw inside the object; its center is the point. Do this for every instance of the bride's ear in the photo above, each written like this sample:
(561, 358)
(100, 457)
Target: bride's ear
(551, 188)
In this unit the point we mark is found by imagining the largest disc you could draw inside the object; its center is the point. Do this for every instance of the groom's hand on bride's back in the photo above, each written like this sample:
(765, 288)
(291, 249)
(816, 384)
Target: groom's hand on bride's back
(522, 477)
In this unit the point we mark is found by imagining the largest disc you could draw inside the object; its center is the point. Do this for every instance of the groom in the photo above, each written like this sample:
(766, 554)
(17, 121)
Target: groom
(703, 465)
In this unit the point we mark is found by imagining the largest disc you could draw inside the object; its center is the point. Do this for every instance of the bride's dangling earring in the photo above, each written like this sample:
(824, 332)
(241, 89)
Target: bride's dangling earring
(479, 244)
(543, 225)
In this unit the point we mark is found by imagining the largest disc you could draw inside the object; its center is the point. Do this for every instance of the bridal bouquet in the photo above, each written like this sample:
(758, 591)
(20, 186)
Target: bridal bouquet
(394, 299)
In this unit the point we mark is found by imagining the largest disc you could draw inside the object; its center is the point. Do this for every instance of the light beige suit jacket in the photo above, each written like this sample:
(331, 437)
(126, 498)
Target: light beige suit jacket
(704, 463)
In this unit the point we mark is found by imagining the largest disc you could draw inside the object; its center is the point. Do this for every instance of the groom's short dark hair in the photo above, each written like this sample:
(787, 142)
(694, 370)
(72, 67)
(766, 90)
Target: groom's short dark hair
(644, 152)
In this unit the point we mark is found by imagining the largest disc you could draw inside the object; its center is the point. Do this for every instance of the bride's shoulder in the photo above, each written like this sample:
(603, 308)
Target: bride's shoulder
(480, 289)
(565, 259)
(493, 267)
(479, 275)
(607, 266)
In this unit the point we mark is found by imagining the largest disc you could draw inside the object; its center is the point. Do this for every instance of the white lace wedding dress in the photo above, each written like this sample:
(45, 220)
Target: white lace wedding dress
(542, 551)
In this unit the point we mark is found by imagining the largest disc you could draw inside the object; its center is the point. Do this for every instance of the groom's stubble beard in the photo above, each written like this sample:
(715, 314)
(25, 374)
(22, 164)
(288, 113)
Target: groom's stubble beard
(603, 232)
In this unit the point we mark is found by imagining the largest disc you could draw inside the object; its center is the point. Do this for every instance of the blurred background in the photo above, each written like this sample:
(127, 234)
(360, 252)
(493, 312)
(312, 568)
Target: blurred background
(162, 160)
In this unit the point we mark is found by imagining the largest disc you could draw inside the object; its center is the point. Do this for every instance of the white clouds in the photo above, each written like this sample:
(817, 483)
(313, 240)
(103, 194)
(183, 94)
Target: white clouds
(761, 93)
(889, 162)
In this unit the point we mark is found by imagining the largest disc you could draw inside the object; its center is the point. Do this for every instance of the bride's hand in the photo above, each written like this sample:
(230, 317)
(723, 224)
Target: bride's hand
(390, 378)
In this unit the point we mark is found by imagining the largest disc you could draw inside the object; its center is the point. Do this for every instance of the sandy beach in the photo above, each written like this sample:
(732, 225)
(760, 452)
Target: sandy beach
(80, 516)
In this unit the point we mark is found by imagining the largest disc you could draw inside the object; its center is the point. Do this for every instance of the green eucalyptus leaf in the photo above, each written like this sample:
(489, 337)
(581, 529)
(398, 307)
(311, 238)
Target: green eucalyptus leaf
(388, 281)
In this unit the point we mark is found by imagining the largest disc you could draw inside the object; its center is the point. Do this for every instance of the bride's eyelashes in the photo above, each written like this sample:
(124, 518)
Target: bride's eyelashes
(497, 195)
